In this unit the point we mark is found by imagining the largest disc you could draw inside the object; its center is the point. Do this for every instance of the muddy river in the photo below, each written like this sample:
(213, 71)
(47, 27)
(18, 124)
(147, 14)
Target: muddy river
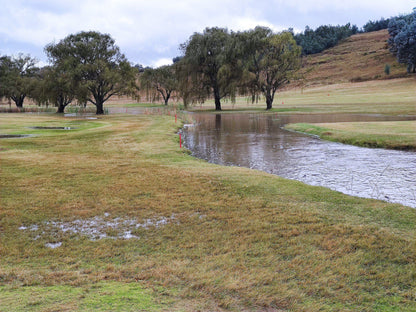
(259, 142)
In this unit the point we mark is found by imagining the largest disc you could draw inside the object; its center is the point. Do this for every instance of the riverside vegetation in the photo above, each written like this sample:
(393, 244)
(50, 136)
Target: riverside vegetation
(190, 235)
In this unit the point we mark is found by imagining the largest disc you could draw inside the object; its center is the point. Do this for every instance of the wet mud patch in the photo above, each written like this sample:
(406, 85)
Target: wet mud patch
(97, 228)
(52, 128)
(12, 136)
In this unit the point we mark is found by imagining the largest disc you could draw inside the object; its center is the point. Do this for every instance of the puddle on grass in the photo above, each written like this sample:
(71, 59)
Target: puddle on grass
(53, 245)
(12, 136)
(81, 116)
(52, 128)
(95, 228)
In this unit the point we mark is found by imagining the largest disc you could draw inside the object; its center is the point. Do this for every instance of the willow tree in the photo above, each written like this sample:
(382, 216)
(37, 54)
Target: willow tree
(270, 60)
(162, 80)
(93, 62)
(54, 88)
(207, 57)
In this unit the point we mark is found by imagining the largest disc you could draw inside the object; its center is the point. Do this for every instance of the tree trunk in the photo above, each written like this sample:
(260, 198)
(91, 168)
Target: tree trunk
(61, 109)
(19, 101)
(269, 94)
(269, 101)
(61, 105)
(100, 107)
(217, 104)
(167, 98)
(217, 99)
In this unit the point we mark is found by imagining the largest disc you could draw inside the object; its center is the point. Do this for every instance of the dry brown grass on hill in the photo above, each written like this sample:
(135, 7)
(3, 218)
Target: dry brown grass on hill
(358, 58)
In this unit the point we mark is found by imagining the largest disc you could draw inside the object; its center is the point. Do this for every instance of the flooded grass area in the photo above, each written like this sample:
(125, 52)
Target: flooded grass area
(99, 227)
(400, 135)
(210, 238)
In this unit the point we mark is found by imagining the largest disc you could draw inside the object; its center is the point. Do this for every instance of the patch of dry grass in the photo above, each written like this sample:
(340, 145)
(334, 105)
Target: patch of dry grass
(361, 57)
(238, 239)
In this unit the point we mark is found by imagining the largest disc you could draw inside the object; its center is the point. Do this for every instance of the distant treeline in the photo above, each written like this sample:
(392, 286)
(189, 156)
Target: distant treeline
(376, 25)
(328, 36)
(324, 37)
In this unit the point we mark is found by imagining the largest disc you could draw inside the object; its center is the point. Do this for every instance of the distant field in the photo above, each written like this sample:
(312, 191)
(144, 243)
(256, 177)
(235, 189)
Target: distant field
(392, 97)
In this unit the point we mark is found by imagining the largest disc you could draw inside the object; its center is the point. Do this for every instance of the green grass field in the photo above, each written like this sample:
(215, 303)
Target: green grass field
(113, 215)
(387, 97)
(392, 134)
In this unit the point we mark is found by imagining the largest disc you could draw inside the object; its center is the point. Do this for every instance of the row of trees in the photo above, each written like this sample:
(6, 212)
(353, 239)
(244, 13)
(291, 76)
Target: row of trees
(86, 67)
(222, 64)
(402, 41)
(376, 25)
(324, 37)
(89, 67)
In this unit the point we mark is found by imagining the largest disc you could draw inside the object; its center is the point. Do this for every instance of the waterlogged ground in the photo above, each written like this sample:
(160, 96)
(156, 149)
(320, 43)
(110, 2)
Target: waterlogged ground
(95, 228)
(258, 142)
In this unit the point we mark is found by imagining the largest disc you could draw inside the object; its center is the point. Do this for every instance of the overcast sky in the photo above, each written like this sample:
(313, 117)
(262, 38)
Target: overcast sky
(149, 32)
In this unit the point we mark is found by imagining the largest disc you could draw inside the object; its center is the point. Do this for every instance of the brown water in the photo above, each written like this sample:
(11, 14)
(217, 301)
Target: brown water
(258, 142)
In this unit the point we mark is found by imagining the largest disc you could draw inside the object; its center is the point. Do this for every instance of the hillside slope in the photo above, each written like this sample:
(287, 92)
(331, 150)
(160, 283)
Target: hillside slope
(360, 57)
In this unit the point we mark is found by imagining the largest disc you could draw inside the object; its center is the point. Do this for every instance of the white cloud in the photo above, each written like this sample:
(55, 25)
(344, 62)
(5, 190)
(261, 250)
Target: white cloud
(149, 31)
(162, 62)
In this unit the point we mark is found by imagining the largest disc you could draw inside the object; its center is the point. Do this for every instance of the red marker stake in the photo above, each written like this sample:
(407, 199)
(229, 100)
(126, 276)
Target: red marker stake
(176, 118)
(180, 140)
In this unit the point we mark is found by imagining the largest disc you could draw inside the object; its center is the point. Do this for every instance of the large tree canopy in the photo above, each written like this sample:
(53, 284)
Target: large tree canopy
(270, 60)
(17, 77)
(207, 59)
(93, 62)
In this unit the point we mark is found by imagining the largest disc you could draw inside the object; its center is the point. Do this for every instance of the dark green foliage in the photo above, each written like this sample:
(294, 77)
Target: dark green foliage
(54, 87)
(17, 77)
(94, 63)
(270, 61)
(324, 37)
(376, 25)
(402, 41)
(253, 62)
(207, 58)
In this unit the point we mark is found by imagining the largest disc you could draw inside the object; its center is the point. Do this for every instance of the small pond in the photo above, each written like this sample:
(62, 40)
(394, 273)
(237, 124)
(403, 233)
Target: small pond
(259, 142)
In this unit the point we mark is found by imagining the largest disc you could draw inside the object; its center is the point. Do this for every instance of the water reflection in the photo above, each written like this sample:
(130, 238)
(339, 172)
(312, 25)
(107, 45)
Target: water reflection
(257, 141)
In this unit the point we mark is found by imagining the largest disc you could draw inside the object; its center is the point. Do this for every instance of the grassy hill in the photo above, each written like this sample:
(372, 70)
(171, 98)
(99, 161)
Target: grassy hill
(360, 57)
